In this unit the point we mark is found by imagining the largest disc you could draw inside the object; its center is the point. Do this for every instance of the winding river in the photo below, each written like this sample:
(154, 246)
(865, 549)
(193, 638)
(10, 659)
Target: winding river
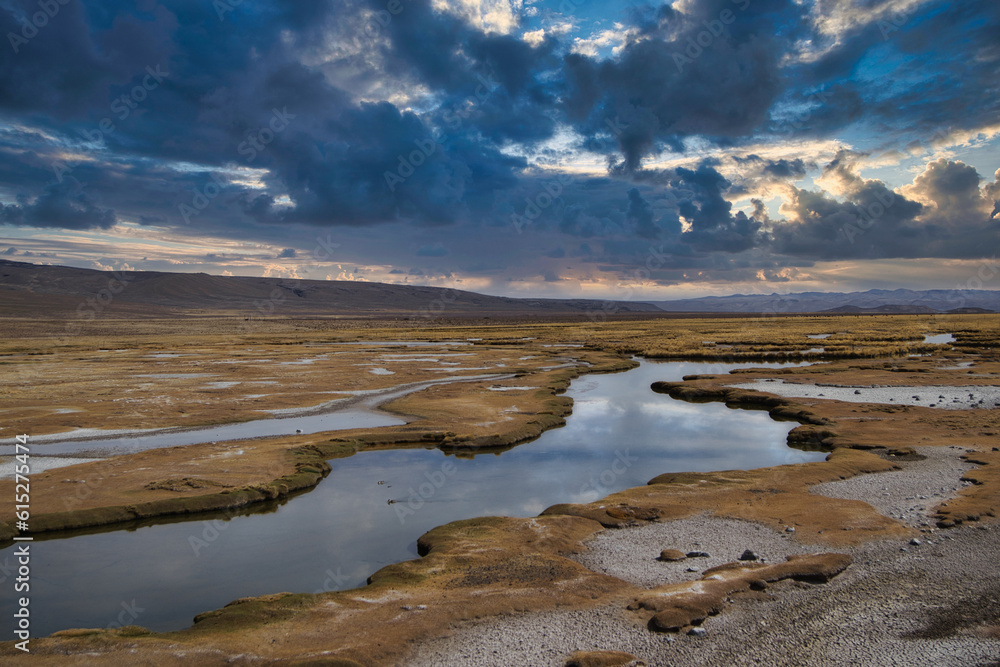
(372, 508)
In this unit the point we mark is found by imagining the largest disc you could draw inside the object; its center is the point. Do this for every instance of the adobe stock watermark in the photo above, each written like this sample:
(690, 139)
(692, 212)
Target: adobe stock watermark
(121, 108)
(92, 306)
(334, 581)
(31, 25)
(713, 30)
(408, 164)
(820, 97)
(85, 488)
(867, 216)
(256, 142)
(223, 7)
(550, 192)
(985, 273)
(438, 306)
(424, 492)
(322, 252)
(127, 616)
(604, 482)
(891, 25)
(211, 531)
(552, 188)
(655, 259)
(381, 19)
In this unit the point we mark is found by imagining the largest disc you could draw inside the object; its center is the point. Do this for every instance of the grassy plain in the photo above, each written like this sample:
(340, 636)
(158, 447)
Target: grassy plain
(228, 370)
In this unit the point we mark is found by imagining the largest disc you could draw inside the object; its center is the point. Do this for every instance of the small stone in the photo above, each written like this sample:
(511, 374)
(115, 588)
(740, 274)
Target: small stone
(749, 555)
(758, 585)
(672, 555)
(857, 391)
(697, 632)
(790, 529)
(692, 569)
(697, 554)
(915, 542)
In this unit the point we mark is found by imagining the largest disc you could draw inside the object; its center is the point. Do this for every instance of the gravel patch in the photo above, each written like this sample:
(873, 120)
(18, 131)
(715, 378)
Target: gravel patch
(632, 554)
(945, 398)
(934, 602)
(911, 494)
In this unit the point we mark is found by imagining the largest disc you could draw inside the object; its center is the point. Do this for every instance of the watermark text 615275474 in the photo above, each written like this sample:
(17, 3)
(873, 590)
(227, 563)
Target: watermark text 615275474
(22, 513)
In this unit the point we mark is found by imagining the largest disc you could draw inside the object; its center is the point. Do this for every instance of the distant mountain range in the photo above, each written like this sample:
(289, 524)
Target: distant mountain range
(35, 290)
(872, 301)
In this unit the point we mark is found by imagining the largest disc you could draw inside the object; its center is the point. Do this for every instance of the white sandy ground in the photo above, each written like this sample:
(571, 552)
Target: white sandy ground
(947, 398)
(862, 617)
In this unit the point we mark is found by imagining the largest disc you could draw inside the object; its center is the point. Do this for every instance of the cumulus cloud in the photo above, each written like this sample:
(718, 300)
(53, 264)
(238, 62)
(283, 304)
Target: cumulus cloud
(942, 213)
(950, 191)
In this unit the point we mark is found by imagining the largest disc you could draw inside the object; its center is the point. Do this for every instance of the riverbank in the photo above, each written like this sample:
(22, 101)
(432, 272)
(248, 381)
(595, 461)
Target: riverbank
(455, 413)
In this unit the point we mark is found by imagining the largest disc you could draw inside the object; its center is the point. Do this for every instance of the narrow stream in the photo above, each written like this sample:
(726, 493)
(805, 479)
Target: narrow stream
(358, 411)
(159, 576)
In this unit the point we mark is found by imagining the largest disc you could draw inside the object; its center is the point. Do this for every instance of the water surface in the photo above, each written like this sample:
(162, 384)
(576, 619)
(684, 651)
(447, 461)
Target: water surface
(621, 434)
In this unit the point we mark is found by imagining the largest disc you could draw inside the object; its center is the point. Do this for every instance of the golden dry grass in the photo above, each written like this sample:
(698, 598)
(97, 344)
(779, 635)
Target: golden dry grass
(488, 566)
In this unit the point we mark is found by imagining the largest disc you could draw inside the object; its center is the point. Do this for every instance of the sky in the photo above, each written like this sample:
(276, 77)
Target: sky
(558, 148)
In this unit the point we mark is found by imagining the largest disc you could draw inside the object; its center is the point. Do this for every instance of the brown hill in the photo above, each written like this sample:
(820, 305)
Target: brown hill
(32, 290)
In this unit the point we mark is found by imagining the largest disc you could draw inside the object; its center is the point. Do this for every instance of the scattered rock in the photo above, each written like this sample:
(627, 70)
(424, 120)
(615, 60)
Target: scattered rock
(749, 555)
(697, 554)
(697, 632)
(915, 542)
(678, 606)
(758, 585)
(790, 529)
(672, 555)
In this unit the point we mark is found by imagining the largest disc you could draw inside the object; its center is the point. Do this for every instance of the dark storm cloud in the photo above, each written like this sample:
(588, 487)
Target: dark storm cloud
(433, 250)
(291, 91)
(487, 81)
(713, 73)
(929, 71)
(640, 213)
(63, 206)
